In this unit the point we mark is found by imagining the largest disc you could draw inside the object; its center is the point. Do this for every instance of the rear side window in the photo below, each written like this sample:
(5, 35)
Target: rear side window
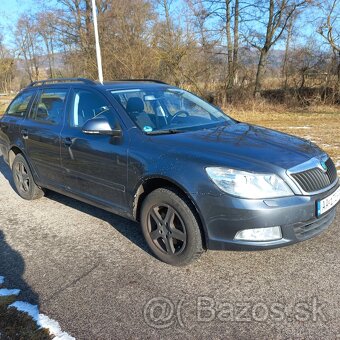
(49, 107)
(20, 104)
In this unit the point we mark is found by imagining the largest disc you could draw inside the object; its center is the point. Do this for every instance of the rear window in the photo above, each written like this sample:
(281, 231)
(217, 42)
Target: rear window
(50, 106)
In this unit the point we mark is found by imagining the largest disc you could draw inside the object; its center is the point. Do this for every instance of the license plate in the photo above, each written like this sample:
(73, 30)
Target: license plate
(328, 203)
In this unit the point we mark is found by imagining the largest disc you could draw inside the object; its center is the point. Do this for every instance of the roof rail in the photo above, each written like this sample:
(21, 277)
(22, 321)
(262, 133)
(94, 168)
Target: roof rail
(141, 79)
(62, 80)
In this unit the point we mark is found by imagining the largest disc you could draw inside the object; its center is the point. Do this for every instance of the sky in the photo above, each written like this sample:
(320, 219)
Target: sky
(10, 10)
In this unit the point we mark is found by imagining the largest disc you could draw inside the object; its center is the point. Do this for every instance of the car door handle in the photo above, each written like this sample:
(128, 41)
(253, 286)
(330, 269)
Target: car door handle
(24, 133)
(67, 141)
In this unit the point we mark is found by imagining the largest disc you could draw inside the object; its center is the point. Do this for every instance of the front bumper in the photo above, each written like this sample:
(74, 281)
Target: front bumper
(223, 216)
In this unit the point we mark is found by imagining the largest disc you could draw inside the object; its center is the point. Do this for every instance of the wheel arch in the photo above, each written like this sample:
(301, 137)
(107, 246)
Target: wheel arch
(152, 183)
(13, 151)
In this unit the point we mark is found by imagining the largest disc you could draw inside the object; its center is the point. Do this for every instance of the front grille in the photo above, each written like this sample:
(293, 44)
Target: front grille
(307, 230)
(315, 179)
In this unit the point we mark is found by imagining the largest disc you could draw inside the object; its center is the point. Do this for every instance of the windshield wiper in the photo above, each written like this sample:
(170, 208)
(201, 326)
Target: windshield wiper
(165, 132)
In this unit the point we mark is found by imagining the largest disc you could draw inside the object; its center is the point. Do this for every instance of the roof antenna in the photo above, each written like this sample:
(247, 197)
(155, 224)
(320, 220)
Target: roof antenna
(98, 53)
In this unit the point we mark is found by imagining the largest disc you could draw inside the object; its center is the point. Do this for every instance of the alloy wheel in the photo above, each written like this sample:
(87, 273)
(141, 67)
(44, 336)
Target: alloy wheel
(22, 177)
(167, 229)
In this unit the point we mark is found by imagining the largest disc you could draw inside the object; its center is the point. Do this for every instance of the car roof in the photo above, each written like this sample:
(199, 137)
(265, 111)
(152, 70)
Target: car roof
(121, 85)
(109, 85)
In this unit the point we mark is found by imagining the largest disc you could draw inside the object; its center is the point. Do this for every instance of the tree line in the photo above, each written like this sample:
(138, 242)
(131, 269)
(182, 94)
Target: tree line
(282, 49)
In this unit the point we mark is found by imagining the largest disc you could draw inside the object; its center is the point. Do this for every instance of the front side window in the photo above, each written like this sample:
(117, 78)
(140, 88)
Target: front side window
(86, 105)
(19, 106)
(165, 109)
(50, 106)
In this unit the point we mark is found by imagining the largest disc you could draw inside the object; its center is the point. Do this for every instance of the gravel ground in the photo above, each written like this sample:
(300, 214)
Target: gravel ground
(91, 271)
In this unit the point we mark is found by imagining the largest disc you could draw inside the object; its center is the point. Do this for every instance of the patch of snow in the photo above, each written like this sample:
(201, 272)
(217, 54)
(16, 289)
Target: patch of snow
(325, 145)
(337, 163)
(42, 320)
(299, 127)
(9, 292)
(25, 307)
(2, 280)
(309, 139)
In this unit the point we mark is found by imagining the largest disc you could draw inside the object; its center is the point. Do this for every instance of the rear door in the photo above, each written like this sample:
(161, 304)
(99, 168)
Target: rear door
(41, 134)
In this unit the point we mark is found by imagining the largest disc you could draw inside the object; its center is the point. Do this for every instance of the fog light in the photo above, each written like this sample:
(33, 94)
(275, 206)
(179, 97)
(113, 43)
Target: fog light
(259, 234)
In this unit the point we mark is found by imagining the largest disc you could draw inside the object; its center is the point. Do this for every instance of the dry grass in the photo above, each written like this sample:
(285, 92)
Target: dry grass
(320, 124)
(4, 101)
(15, 325)
(18, 325)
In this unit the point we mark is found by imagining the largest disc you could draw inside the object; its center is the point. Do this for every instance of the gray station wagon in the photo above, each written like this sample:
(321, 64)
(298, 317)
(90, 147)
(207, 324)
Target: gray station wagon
(193, 177)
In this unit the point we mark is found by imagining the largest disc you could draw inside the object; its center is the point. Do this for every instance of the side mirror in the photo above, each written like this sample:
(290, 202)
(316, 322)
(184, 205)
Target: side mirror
(101, 126)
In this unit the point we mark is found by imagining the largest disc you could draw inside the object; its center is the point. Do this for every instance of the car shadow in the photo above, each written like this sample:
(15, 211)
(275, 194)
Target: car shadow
(6, 171)
(131, 230)
(12, 264)
(12, 268)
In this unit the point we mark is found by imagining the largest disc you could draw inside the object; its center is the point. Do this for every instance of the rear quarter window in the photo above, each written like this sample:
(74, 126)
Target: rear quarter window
(20, 104)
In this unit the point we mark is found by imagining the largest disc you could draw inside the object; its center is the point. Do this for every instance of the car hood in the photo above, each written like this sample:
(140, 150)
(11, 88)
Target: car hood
(243, 141)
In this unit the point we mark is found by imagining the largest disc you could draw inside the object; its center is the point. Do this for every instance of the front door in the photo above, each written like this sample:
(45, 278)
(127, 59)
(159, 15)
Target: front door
(95, 165)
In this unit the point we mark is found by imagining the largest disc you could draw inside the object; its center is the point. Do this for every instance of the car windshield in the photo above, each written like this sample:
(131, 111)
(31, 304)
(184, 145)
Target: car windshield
(169, 110)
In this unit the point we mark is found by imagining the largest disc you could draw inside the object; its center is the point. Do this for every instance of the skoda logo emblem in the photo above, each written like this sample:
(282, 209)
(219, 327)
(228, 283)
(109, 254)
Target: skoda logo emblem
(323, 165)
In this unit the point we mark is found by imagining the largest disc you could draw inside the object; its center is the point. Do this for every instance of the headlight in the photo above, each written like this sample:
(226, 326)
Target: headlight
(248, 185)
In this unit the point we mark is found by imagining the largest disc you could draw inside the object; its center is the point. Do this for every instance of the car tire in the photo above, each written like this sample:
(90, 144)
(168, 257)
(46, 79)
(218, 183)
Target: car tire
(23, 179)
(170, 227)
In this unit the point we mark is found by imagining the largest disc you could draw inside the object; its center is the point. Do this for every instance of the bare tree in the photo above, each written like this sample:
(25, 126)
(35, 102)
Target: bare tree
(272, 17)
(307, 61)
(287, 51)
(232, 41)
(45, 23)
(227, 13)
(171, 45)
(129, 47)
(236, 42)
(7, 67)
(330, 30)
(220, 46)
(28, 45)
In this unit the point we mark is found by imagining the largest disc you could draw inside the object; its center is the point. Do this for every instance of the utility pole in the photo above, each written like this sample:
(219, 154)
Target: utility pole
(96, 35)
